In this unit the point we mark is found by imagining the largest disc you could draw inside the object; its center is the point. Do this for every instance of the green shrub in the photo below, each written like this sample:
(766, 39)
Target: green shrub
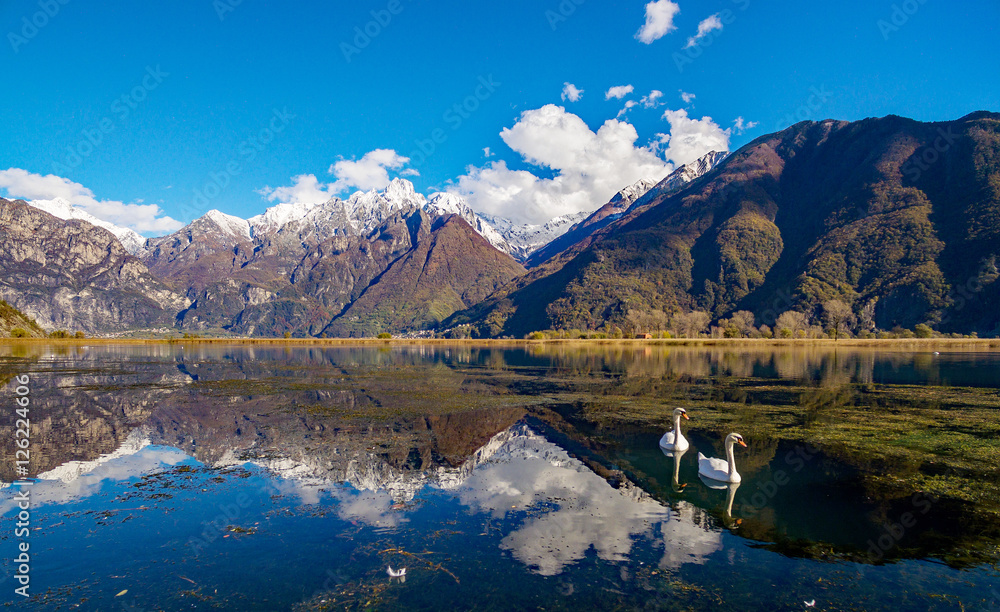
(385, 336)
(18, 332)
(59, 333)
(923, 331)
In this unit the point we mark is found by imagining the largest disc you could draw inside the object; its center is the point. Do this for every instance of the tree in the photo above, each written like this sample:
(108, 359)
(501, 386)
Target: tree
(691, 324)
(18, 332)
(866, 321)
(923, 331)
(744, 320)
(792, 321)
(838, 316)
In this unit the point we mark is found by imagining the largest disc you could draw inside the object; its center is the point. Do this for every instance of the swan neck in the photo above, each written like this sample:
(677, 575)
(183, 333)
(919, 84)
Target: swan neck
(731, 458)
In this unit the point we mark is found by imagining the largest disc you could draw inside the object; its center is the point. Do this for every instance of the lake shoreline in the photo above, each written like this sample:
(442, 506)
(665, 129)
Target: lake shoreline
(897, 344)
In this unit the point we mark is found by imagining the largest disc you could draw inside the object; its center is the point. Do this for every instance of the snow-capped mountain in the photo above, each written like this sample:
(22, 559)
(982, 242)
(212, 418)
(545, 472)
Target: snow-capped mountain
(625, 201)
(451, 204)
(364, 211)
(525, 239)
(62, 209)
(228, 224)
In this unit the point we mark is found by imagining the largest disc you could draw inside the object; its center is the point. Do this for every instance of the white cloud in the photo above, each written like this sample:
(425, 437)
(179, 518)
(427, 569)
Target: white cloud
(618, 92)
(589, 167)
(305, 189)
(369, 172)
(706, 26)
(659, 21)
(488, 153)
(628, 106)
(687, 97)
(653, 99)
(690, 138)
(741, 125)
(143, 218)
(571, 93)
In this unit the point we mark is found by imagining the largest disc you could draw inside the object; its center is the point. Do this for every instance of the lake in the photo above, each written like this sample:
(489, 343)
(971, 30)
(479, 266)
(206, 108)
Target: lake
(204, 477)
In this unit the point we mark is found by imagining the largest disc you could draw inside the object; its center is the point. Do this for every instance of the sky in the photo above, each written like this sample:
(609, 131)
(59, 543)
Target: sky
(149, 114)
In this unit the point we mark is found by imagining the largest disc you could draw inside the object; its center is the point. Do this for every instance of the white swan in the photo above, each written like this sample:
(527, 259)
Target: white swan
(717, 469)
(675, 440)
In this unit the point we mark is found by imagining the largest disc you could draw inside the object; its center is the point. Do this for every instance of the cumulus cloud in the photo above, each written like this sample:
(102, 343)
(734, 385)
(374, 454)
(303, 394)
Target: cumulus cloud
(618, 92)
(143, 218)
(488, 153)
(706, 26)
(690, 139)
(741, 125)
(571, 93)
(305, 189)
(369, 172)
(659, 21)
(687, 97)
(653, 99)
(589, 167)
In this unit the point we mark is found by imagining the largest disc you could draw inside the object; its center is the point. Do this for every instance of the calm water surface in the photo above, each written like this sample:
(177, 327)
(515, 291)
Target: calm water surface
(169, 478)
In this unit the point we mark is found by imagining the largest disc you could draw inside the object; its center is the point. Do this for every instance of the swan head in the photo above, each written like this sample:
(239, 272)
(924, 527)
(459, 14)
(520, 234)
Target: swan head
(735, 438)
(680, 412)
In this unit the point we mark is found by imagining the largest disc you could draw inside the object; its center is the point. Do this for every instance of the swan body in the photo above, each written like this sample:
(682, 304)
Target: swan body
(722, 470)
(396, 573)
(674, 440)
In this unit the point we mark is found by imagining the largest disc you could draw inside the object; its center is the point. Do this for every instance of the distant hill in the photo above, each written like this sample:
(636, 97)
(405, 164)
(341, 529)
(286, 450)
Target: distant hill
(891, 213)
(12, 319)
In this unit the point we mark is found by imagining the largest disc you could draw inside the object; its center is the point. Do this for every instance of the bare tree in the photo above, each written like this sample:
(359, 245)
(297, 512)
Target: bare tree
(866, 321)
(838, 316)
(691, 324)
(743, 320)
(792, 321)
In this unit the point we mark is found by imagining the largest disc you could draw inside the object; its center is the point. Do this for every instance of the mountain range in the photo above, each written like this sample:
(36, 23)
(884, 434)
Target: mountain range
(890, 215)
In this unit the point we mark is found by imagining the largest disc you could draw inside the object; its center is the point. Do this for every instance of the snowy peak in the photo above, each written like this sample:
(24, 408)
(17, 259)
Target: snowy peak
(228, 224)
(62, 209)
(451, 204)
(525, 239)
(624, 198)
(276, 217)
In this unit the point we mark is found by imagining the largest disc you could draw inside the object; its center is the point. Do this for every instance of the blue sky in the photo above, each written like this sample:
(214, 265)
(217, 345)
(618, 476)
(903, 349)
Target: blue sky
(186, 90)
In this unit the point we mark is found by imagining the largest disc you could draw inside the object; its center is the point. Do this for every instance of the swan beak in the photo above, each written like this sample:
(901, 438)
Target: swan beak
(742, 443)
(685, 415)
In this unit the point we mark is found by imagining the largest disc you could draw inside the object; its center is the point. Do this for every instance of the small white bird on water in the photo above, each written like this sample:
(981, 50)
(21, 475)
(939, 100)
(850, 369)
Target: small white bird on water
(396, 573)
(810, 604)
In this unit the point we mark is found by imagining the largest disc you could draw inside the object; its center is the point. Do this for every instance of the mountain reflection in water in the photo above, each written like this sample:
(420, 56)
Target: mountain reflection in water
(512, 478)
